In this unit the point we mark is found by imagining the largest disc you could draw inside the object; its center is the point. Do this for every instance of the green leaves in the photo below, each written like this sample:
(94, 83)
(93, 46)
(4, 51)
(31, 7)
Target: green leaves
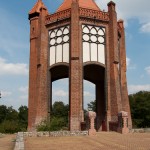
(92, 106)
(58, 118)
(12, 121)
(140, 109)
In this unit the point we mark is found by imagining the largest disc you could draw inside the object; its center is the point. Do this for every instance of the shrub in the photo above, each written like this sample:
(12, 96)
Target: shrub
(56, 124)
(8, 126)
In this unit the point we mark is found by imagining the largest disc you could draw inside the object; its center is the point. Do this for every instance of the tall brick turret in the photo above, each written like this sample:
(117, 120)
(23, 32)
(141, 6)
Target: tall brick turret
(38, 75)
(78, 41)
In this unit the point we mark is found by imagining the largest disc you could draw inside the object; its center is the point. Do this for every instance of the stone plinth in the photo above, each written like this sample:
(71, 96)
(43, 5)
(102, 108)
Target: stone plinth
(123, 122)
(91, 122)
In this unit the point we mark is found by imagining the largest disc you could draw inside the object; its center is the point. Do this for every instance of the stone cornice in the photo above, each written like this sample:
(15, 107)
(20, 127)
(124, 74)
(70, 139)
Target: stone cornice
(84, 13)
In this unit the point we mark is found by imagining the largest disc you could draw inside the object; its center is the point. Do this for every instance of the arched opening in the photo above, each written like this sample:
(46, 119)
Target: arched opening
(59, 91)
(59, 100)
(88, 94)
(95, 73)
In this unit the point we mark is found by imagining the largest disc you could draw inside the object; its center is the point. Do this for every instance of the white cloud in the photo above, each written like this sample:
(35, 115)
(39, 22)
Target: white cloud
(136, 88)
(127, 61)
(86, 93)
(88, 84)
(60, 93)
(129, 64)
(145, 28)
(148, 70)
(12, 68)
(129, 9)
(23, 89)
(5, 93)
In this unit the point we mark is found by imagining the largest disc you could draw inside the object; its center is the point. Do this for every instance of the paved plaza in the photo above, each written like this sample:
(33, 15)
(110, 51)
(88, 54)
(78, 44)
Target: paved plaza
(102, 141)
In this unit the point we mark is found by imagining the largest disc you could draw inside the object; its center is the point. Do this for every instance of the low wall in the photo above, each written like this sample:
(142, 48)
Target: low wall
(56, 133)
(141, 130)
(19, 145)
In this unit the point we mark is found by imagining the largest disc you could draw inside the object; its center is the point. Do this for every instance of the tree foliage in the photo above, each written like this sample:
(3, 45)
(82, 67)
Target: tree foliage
(23, 117)
(12, 121)
(140, 109)
(58, 118)
(92, 106)
(3, 113)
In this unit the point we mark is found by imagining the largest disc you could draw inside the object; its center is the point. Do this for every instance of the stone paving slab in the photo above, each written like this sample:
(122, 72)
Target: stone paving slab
(102, 141)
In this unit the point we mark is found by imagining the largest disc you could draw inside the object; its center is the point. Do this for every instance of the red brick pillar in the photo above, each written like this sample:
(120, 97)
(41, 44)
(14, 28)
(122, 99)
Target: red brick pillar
(115, 93)
(124, 91)
(32, 102)
(75, 77)
(42, 68)
(38, 74)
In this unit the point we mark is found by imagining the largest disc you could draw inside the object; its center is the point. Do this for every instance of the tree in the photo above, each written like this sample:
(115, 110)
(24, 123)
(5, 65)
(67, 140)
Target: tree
(140, 109)
(58, 118)
(3, 113)
(59, 109)
(12, 121)
(59, 112)
(23, 116)
(92, 106)
(12, 114)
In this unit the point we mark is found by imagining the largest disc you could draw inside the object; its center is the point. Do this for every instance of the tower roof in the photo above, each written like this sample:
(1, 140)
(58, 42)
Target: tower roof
(89, 4)
(36, 8)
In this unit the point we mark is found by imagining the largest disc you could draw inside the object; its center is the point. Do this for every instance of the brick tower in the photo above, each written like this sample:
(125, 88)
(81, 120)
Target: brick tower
(78, 41)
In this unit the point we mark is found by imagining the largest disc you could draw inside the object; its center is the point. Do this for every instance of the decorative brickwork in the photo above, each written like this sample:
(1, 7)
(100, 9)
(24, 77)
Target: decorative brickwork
(94, 14)
(80, 42)
(58, 16)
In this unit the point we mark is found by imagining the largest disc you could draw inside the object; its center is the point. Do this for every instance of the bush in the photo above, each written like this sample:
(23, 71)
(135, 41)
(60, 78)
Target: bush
(8, 126)
(59, 118)
(43, 126)
(56, 124)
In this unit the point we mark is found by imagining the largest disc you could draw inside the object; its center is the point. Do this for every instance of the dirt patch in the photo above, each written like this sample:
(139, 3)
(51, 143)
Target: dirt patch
(7, 141)
(102, 141)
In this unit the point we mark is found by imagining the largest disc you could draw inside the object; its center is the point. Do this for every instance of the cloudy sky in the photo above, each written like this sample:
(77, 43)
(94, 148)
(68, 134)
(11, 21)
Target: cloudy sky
(14, 49)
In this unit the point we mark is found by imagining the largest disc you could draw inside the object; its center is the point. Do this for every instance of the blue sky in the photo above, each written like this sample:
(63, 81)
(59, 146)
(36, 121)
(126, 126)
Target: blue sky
(14, 49)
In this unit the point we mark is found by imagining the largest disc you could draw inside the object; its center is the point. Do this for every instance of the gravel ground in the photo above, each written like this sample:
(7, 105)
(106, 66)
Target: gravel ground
(7, 141)
(102, 141)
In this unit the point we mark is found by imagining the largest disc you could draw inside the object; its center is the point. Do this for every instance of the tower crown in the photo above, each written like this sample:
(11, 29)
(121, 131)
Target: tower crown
(36, 8)
(90, 4)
